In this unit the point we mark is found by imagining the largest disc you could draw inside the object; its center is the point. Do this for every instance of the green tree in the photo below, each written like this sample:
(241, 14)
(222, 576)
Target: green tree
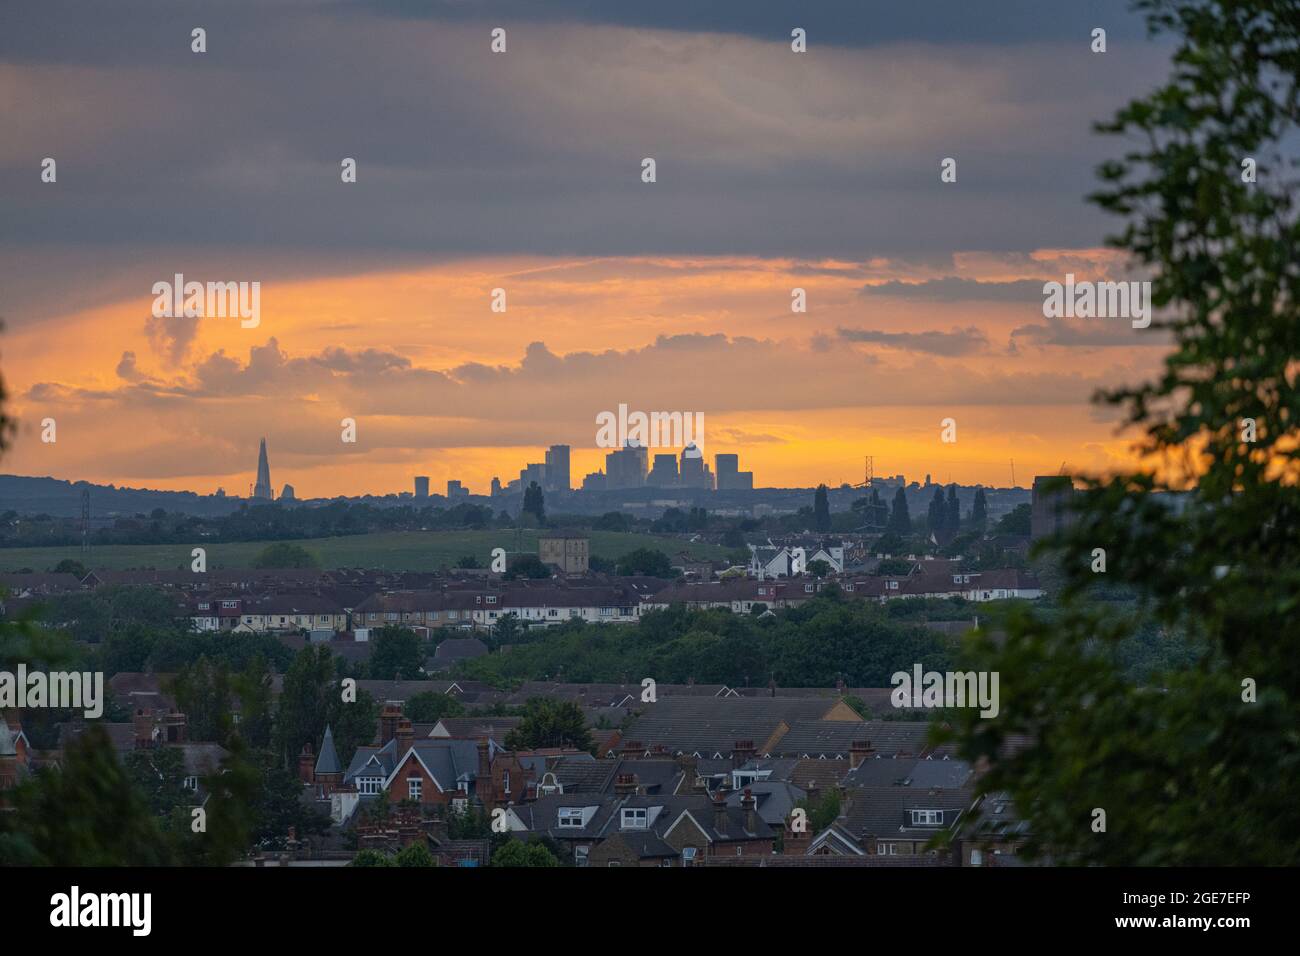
(900, 521)
(372, 858)
(415, 855)
(519, 853)
(1196, 765)
(1015, 521)
(398, 654)
(979, 512)
(550, 723)
(535, 503)
(70, 566)
(648, 561)
(819, 568)
(429, 707)
(821, 510)
(526, 566)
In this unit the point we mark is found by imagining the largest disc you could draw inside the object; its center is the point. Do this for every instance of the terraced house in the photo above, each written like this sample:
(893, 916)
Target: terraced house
(482, 608)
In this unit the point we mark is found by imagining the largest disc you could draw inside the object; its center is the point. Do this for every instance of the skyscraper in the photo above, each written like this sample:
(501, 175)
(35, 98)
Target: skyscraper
(263, 487)
(557, 468)
(421, 486)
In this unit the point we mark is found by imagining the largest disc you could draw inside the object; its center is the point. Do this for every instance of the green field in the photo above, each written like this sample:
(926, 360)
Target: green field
(397, 550)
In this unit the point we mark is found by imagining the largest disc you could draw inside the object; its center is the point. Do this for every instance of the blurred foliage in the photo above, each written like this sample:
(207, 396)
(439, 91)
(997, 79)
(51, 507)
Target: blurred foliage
(1189, 766)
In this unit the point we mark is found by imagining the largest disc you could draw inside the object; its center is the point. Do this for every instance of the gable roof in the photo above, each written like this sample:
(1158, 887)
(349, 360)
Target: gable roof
(328, 761)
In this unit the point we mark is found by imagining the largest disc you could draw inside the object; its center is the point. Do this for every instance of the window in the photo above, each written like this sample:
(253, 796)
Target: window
(887, 849)
(580, 855)
(390, 615)
(927, 818)
(369, 785)
(414, 787)
(552, 613)
(570, 817)
(892, 585)
(492, 599)
(688, 855)
(505, 781)
(808, 589)
(191, 783)
(976, 858)
(848, 587)
(634, 818)
(203, 606)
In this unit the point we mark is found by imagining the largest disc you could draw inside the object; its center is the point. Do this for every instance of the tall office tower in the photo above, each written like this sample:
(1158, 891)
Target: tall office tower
(557, 468)
(1049, 506)
(496, 486)
(262, 489)
(664, 472)
(727, 468)
(456, 490)
(694, 472)
(626, 467)
(421, 486)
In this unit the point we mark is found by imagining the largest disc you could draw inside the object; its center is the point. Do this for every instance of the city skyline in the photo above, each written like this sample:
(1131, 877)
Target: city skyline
(798, 273)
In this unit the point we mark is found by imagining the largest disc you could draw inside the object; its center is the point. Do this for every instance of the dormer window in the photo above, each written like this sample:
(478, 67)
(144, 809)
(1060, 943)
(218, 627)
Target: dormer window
(571, 818)
(492, 599)
(634, 818)
(927, 818)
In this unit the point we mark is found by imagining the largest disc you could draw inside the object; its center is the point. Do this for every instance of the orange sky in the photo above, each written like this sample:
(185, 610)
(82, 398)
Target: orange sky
(442, 386)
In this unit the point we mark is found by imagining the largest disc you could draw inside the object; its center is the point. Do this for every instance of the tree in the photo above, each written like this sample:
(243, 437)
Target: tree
(372, 858)
(821, 510)
(952, 514)
(1015, 521)
(430, 707)
(1192, 766)
(936, 518)
(646, 561)
(535, 503)
(550, 723)
(526, 566)
(519, 853)
(70, 566)
(398, 654)
(285, 555)
(900, 522)
(415, 855)
(86, 813)
(979, 512)
(468, 561)
(819, 568)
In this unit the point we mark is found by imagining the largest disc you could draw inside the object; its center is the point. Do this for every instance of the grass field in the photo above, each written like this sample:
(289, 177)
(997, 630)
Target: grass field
(398, 550)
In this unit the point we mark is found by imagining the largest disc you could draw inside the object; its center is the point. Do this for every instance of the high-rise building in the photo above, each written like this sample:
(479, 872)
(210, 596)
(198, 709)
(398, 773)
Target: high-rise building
(262, 489)
(421, 486)
(626, 468)
(729, 475)
(456, 490)
(1049, 506)
(595, 481)
(534, 471)
(288, 493)
(557, 468)
(664, 472)
(694, 472)
(496, 486)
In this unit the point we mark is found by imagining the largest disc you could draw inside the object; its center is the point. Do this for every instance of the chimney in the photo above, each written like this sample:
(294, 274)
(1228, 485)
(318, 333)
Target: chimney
(690, 773)
(625, 784)
(632, 748)
(719, 813)
(405, 735)
(749, 803)
(306, 769)
(859, 751)
(388, 719)
(741, 753)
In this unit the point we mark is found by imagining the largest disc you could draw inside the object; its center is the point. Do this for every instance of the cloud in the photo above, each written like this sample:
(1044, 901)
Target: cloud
(1089, 334)
(956, 289)
(965, 341)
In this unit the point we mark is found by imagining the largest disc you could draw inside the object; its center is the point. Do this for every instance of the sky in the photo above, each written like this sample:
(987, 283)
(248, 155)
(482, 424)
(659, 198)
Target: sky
(522, 171)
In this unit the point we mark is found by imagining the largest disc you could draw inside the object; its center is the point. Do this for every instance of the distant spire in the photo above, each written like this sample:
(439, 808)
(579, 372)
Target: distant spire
(263, 487)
